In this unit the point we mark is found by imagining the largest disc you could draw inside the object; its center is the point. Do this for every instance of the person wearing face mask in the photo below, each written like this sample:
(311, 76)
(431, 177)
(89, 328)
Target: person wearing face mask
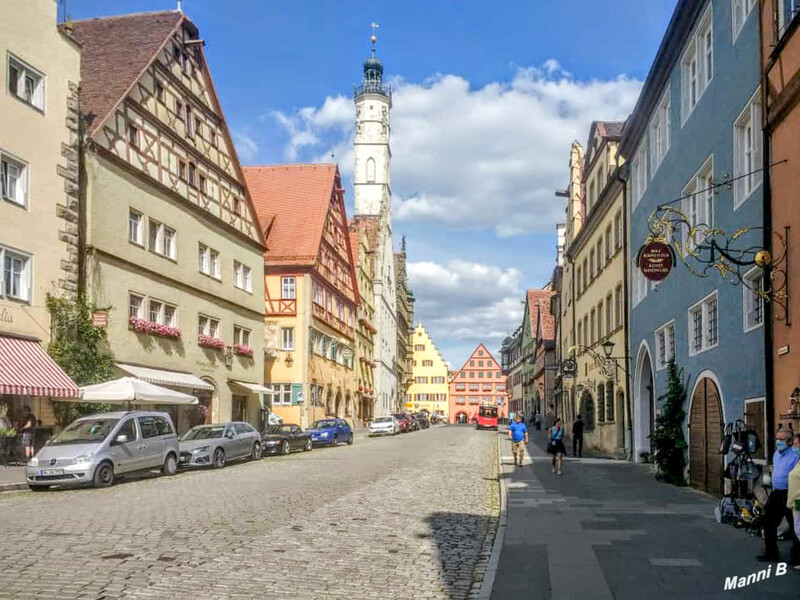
(793, 500)
(783, 461)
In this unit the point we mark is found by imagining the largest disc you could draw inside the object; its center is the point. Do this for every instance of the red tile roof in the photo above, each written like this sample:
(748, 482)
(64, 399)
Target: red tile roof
(547, 320)
(369, 226)
(534, 296)
(291, 205)
(114, 53)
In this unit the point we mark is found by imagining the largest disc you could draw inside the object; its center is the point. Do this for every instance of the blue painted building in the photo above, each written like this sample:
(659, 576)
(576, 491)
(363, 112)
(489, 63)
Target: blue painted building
(696, 124)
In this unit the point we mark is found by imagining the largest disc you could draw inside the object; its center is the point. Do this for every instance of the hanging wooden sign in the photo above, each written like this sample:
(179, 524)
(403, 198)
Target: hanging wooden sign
(99, 319)
(656, 260)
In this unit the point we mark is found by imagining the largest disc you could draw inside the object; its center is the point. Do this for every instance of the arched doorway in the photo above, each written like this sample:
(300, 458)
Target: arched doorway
(329, 402)
(587, 410)
(705, 437)
(339, 403)
(643, 412)
(460, 417)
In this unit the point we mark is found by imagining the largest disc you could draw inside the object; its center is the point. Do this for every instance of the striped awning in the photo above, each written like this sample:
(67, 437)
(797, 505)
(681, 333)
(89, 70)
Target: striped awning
(162, 377)
(27, 370)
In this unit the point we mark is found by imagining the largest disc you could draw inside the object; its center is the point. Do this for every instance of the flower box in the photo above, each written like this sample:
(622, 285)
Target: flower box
(150, 328)
(206, 341)
(242, 349)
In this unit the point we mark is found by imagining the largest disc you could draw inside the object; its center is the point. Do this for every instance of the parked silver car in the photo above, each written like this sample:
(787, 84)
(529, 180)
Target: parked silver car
(384, 426)
(214, 445)
(95, 449)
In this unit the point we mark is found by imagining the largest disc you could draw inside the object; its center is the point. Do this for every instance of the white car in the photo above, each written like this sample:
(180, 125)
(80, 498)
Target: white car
(384, 426)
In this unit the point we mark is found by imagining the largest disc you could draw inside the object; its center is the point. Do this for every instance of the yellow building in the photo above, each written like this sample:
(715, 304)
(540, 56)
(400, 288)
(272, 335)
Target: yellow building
(38, 198)
(311, 291)
(594, 292)
(430, 389)
(361, 245)
(172, 245)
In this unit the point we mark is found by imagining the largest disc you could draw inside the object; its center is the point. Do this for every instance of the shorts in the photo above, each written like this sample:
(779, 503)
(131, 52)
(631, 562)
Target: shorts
(556, 447)
(27, 439)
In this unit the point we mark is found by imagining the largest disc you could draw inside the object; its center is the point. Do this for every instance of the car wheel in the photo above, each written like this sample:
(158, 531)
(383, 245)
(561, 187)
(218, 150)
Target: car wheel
(351, 440)
(219, 458)
(39, 488)
(309, 445)
(170, 465)
(335, 441)
(103, 475)
(256, 453)
(285, 449)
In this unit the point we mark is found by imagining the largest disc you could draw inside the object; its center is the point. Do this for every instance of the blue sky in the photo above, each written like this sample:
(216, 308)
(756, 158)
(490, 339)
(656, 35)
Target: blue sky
(488, 97)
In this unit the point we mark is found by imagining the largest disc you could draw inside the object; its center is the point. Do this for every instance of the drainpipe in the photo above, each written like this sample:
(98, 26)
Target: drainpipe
(623, 178)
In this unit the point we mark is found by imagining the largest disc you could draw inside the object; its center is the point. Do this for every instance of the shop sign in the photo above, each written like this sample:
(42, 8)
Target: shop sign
(569, 368)
(656, 260)
(5, 316)
(99, 319)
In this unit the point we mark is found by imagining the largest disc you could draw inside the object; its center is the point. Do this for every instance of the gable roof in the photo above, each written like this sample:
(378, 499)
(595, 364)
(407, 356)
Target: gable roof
(608, 131)
(368, 225)
(546, 328)
(114, 53)
(534, 298)
(474, 355)
(291, 206)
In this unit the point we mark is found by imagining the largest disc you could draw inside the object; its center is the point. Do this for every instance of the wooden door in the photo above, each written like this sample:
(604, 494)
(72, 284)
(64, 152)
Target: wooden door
(705, 437)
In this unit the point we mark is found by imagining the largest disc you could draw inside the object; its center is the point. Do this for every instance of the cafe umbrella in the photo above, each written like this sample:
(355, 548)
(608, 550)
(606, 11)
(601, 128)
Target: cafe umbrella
(130, 391)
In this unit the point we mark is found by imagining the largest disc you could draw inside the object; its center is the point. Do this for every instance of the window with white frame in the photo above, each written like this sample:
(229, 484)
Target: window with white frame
(703, 325)
(241, 335)
(665, 345)
(740, 10)
(281, 394)
(26, 83)
(618, 234)
(697, 65)
(13, 180)
(638, 174)
(287, 338)
(162, 239)
(288, 288)
(135, 227)
(660, 132)
(787, 11)
(209, 261)
(163, 313)
(17, 276)
(747, 150)
(207, 326)
(619, 306)
(698, 204)
(639, 285)
(753, 299)
(135, 306)
(241, 276)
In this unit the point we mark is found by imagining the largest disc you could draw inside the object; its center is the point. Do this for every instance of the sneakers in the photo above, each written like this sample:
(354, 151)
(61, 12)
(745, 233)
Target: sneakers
(554, 469)
(560, 473)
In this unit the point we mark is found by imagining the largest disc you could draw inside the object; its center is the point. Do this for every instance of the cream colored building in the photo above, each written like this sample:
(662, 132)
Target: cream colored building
(173, 248)
(594, 306)
(430, 389)
(38, 192)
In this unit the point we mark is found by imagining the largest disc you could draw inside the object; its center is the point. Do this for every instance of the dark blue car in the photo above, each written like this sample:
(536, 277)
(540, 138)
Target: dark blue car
(330, 431)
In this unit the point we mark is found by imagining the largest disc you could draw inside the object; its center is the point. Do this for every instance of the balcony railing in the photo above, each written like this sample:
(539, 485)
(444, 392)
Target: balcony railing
(370, 87)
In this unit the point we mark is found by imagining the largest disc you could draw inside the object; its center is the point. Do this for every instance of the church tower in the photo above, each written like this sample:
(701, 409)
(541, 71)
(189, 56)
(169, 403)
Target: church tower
(373, 200)
(371, 176)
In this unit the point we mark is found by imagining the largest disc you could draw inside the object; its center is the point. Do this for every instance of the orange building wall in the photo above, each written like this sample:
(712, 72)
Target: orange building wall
(472, 399)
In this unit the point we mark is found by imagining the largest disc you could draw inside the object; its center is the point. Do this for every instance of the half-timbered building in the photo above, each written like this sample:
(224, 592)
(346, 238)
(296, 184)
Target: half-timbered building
(311, 290)
(171, 243)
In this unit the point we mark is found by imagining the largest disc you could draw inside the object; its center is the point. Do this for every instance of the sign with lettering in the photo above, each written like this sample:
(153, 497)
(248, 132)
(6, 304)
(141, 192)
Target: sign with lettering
(656, 260)
(99, 319)
(5, 316)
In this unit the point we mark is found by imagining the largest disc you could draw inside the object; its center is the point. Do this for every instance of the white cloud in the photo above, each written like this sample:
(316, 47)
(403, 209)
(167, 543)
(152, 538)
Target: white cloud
(465, 302)
(474, 158)
(246, 146)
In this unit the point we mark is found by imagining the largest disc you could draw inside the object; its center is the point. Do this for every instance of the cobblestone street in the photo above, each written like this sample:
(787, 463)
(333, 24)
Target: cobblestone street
(404, 517)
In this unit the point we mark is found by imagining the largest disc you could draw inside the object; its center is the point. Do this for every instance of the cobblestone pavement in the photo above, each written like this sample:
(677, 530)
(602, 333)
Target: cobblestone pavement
(411, 516)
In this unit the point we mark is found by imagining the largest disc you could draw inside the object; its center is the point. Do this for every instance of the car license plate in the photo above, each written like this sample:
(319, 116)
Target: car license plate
(50, 472)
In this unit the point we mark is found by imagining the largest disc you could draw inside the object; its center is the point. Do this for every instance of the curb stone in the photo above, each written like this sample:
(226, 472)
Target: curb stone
(497, 547)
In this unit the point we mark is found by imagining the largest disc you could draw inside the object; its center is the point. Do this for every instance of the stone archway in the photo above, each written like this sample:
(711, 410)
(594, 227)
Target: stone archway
(587, 410)
(461, 416)
(643, 409)
(705, 437)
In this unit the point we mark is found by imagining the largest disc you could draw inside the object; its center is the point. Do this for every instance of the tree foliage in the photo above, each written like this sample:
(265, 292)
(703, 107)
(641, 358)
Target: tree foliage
(80, 349)
(668, 441)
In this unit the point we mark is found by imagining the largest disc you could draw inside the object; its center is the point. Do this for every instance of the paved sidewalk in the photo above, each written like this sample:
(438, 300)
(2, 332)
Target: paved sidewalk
(12, 478)
(608, 530)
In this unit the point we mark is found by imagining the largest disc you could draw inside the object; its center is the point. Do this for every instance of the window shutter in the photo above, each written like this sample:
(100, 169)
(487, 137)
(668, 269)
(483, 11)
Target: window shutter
(684, 91)
(758, 141)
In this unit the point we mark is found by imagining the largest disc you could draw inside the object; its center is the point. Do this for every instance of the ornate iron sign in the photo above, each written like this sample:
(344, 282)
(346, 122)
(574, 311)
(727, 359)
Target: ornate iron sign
(569, 368)
(656, 260)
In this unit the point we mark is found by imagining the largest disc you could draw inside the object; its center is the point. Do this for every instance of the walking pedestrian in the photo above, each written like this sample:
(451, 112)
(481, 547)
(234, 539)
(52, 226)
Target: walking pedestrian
(577, 437)
(784, 461)
(793, 500)
(556, 446)
(518, 433)
(538, 418)
(28, 425)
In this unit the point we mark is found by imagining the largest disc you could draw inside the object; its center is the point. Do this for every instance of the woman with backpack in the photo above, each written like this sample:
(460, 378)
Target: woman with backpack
(556, 445)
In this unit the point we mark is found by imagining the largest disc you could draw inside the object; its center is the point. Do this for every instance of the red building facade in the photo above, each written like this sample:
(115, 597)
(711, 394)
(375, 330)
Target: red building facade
(479, 381)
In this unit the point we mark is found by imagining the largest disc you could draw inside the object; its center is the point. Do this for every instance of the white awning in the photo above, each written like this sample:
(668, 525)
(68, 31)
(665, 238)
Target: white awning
(253, 388)
(161, 377)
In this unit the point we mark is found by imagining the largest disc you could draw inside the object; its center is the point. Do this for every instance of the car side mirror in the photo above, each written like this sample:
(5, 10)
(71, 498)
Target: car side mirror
(229, 435)
(121, 439)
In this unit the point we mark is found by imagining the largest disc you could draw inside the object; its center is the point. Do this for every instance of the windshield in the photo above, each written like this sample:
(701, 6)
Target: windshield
(488, 411)
(89, 431)
(383, 420)
(204, 433)
(323, 424)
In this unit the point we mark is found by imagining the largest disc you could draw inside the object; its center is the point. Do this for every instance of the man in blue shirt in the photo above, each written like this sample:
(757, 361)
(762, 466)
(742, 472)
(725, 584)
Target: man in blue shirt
(783, 461)
(518, 433)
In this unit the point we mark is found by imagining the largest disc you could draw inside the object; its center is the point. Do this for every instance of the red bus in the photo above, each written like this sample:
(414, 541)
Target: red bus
(487, 417)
